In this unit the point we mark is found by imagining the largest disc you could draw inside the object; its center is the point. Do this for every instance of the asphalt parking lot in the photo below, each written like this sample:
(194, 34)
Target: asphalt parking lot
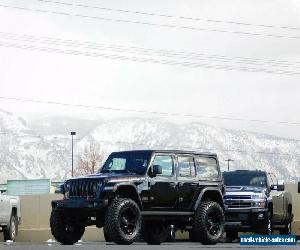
(136, 246)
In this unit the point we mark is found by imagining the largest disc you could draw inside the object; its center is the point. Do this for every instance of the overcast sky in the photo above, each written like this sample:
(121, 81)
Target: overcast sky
(152, 86)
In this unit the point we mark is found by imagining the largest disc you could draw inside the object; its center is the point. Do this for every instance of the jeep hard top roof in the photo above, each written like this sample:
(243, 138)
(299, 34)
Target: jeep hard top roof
(169, 152)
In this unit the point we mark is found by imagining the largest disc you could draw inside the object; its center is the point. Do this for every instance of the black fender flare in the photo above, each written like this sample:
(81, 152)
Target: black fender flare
(123, 185)
(207, 189)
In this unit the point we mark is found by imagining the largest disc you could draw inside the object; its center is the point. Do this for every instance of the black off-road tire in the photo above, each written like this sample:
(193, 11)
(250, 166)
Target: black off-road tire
(231, 235)
(208, 224)
(106, 236)
(155, 233)
(63, 233)
(119, 228)
(11, 231)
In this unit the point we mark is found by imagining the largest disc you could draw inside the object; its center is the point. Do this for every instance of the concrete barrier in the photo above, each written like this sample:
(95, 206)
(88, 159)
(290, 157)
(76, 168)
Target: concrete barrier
(35, 215)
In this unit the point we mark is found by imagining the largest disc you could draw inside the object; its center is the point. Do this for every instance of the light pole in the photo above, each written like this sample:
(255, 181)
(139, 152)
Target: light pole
(72, 134)
(229, 160)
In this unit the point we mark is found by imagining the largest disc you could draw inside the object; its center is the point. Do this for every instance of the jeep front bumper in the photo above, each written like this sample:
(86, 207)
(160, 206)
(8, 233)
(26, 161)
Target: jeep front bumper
(79, 204)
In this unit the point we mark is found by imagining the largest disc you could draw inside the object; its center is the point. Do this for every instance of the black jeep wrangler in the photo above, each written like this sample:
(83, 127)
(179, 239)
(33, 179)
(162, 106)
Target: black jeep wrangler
(140, 194)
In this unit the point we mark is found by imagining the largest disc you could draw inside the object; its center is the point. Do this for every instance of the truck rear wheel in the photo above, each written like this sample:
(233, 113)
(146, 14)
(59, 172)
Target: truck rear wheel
(11, 231)
(123, 221)
(287, 229)
(208, 224)
(63, 233)
(155, 233)
(231, 235)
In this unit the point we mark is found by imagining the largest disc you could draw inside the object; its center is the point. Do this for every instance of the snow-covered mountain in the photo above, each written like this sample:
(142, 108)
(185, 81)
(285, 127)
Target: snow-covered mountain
(25, 154)
(249, 150)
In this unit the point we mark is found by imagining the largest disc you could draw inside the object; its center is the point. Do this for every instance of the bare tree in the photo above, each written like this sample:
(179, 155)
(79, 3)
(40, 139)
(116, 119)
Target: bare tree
(89, 160)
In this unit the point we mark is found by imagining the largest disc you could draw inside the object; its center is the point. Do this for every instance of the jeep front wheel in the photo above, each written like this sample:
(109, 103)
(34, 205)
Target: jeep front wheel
(63, 233)
(123, 221)
(208, 224)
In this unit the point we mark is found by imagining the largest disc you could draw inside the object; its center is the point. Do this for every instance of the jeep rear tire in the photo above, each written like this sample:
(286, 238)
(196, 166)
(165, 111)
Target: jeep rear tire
(106, 236)
(208, 224)
(123, 221)
(63, 233)
(10, 232)
(155, 233)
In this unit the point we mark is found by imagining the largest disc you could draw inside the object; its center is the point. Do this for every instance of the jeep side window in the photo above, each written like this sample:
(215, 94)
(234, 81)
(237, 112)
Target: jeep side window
(207, 168)
(166, 163)
(186, 166)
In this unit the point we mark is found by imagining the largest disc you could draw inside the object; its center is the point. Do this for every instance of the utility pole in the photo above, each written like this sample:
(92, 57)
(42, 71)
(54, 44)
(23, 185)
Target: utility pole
(72, 134)
(229, 160)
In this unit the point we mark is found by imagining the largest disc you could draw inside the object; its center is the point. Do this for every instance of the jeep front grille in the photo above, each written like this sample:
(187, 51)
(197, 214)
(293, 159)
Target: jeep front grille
(82, 188)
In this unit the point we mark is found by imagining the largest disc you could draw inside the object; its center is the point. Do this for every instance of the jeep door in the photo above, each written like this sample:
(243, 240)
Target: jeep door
(162, 187)
(187, 181)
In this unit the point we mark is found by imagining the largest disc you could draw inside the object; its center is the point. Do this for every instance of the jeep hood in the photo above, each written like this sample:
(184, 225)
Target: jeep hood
(112, 177)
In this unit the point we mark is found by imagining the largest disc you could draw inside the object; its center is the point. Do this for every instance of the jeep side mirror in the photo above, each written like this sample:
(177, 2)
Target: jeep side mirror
(280, 185)
(157, 169)
(299, 187)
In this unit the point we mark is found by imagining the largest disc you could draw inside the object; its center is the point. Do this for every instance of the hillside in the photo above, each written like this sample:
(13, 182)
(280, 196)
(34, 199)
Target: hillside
(26, 154)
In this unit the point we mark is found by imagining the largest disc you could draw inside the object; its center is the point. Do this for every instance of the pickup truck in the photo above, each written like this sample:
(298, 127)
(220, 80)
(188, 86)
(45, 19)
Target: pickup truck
(10, 216)
(256, 202)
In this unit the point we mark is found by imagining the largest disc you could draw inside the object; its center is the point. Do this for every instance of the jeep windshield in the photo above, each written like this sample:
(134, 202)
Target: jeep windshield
(134, 162)
(245, 178)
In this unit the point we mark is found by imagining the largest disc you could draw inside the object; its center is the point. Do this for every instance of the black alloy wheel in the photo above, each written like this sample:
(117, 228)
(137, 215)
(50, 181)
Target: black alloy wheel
(128, 219)
(123, 221)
